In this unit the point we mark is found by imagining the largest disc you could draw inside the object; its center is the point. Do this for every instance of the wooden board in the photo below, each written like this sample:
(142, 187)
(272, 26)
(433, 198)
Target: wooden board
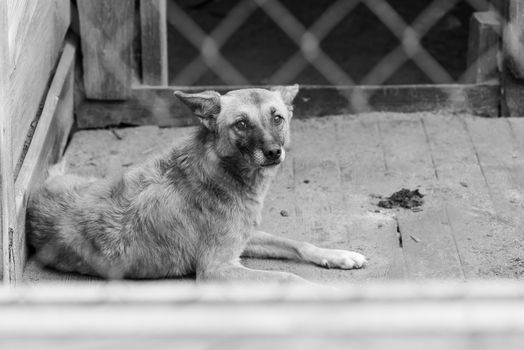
(363, 173)
(317, 206)
(500, 155)
(7, 197)
(157, 106)
(463, 191)
(164, 315)
(349, 159)
(36, 33)
(153, 30)
(46, 147)
(514, 37)
(319, 202)
(427, 237)
(512, 104)
(483, 47)
(107, 34)
(513, 68)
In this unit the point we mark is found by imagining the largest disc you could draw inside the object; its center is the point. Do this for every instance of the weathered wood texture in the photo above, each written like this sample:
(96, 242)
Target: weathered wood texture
(107, 34)
(157, 106)
(7, 198)
(462, 193)
(323, 205)
(502, 163)
(36, 30)
(46, 147)
(165, 316)
(364, 173)
(153, 30)
(427, 238)
(470, 170)
(514, 38)
(512, 104)
(483, 47)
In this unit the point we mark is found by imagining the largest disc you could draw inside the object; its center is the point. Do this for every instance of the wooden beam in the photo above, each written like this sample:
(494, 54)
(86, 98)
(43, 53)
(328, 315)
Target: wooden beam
(107, 34)
(36, 35)
(46, 147)
(165, 315)
(514, 38)
(512, 101)
(512, 104)
(157, 106)
(7, 198)
(483, 47)
(153, 29)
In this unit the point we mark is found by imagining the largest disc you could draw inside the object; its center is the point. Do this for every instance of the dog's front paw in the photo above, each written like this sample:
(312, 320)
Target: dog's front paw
(341, 259)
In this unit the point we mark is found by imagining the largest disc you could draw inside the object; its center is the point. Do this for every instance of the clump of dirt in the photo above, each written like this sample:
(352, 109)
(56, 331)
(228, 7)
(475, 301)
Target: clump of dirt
(404, 198)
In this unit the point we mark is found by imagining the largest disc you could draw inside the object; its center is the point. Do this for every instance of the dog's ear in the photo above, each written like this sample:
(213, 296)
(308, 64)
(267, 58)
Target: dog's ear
(288, 94)
(205, 105)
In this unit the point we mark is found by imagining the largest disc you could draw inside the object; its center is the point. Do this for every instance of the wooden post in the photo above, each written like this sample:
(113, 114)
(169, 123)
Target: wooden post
(153, 26)
(7, 198)
(36, 36)
(46, 148)
(514, 38)
(513, 68)
(483, 47)
(107, 33)
(28, 56)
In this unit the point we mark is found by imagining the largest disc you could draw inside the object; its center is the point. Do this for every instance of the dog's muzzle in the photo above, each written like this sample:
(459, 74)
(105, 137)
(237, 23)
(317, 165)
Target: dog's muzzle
(273, 155)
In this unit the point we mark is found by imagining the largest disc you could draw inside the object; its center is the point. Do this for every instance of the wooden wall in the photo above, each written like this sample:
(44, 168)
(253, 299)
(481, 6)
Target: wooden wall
(6, 163)
(36, 31)
(31, 101)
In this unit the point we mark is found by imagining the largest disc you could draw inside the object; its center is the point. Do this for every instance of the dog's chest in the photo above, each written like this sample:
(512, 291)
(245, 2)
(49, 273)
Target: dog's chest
(253, 211)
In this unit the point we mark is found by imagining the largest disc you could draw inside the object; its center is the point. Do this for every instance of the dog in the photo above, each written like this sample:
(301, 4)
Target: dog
(193, 210)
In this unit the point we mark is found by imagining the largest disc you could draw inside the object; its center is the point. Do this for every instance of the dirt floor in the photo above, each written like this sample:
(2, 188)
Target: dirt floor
(470, 171)
(259, 47)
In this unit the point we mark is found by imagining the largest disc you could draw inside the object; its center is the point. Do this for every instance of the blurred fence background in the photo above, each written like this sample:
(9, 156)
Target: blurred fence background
(349, 55)
(345, 42)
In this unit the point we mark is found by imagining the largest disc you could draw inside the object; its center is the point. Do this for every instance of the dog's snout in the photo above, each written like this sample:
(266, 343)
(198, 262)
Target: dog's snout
(273, 153)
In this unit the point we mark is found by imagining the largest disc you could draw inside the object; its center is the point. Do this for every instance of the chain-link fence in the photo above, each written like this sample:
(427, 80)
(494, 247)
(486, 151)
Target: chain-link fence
(342, 43)
(345, 42)
(430, 35)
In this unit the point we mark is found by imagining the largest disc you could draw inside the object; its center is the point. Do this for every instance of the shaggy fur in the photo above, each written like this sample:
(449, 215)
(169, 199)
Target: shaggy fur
(194, 209)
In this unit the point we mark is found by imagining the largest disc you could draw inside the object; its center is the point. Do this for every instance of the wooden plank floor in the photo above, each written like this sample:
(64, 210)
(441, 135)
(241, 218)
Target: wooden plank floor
(471, 171)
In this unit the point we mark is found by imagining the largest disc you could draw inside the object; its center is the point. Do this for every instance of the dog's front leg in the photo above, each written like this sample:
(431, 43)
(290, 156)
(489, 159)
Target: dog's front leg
(265, 245)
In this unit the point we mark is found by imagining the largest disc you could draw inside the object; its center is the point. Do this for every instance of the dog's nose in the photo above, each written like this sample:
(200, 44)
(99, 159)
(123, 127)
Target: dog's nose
(273, 153)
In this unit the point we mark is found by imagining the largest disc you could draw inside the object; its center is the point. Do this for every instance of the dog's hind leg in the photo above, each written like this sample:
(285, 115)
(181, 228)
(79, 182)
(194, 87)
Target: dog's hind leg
(266, 245)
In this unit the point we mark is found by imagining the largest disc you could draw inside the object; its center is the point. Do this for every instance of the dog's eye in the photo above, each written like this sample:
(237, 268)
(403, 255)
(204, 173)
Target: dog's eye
(278, 119)
(241, 125)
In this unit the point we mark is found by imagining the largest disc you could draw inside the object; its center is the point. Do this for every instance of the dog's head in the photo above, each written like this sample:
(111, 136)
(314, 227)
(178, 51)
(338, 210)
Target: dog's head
(252, 124)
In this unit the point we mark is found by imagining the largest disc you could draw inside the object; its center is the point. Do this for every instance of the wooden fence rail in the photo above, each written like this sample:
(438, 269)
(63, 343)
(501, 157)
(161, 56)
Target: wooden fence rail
(167, 315)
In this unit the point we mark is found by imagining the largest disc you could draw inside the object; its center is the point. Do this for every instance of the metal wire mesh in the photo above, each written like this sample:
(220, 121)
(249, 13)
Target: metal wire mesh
(309, 39)
(209, 43)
